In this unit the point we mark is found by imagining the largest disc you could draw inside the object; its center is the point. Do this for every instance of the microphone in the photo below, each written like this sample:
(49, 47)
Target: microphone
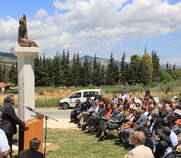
(28, 108)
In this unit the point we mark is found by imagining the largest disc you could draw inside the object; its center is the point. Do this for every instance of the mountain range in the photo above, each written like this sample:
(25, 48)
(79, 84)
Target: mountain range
(9, 58)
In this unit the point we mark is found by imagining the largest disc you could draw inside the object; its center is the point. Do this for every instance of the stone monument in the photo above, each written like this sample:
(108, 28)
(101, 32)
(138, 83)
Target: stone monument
(26, 52)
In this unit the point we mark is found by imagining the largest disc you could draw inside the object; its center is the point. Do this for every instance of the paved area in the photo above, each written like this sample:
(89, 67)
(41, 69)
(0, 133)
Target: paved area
(62, 116)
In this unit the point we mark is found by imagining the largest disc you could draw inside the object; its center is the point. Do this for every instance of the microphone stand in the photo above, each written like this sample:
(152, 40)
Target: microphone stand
(46, 118)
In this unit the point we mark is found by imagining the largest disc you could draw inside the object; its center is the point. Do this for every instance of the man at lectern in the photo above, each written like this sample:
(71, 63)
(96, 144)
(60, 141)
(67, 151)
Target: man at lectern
(10, 120)
(33, 151)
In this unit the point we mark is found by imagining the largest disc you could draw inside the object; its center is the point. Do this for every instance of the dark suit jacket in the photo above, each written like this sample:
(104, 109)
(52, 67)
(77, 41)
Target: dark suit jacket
(114, 114)
(31, 153)
(142, 122)
(119, 118)
(101, 113)
(157, 124)
(10, 119)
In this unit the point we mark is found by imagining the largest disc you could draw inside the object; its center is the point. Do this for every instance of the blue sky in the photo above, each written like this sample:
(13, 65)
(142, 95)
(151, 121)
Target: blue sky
(97, 26)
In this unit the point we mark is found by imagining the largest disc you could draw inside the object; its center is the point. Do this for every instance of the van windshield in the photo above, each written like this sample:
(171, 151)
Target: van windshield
(76, 95)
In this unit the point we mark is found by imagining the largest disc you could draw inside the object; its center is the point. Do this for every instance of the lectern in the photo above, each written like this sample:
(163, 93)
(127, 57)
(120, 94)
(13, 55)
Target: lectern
(35, 131)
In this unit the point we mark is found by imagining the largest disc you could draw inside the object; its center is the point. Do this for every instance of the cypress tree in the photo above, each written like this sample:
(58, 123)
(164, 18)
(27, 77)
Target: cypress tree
(56, 68)
(85, 73)
(12, 74)
(145, 69)
(122, 69)
(1, 74)
(156, 66)
(133, 71)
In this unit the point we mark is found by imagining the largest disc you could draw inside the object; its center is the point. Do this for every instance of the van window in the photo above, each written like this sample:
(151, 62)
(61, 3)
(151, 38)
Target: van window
(85, 94)
(89, 94)
(92, 94)
(76, 95)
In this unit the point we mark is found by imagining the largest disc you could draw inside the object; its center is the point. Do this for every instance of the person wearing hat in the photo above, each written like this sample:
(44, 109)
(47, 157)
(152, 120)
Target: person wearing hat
(177, 113)
(164, 147)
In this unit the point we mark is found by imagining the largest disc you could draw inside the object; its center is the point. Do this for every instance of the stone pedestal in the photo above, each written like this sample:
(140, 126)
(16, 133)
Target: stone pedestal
(26, 79)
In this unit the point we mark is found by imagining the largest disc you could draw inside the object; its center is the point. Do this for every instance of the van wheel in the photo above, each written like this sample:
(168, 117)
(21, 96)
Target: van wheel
(65, 106)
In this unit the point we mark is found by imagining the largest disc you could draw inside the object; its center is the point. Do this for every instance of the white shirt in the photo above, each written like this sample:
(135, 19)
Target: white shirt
(173, 138)
(4, 146)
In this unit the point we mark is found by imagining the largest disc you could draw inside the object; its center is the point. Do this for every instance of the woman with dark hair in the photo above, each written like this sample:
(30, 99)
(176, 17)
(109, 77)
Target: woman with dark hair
(108, 109)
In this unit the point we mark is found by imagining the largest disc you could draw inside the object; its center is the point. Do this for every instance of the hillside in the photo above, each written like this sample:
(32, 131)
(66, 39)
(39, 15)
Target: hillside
(103, 61)
(7, 59)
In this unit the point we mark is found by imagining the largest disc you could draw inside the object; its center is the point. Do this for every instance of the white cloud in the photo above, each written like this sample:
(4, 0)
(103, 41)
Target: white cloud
(95, 25)
(40, 14)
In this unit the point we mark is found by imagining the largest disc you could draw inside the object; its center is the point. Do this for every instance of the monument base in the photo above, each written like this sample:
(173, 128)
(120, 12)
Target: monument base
(26, 79)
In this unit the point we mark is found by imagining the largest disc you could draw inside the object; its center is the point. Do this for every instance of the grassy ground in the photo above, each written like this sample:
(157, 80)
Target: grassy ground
(76, 144)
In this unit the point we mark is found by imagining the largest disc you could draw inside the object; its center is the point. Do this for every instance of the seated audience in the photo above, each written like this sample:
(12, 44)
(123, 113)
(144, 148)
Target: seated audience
(136, 120)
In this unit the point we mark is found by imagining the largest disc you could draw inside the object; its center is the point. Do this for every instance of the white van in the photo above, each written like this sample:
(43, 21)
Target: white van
(81, 95)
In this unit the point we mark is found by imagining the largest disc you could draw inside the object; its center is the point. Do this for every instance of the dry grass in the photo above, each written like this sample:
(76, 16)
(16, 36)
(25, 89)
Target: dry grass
(46, 94)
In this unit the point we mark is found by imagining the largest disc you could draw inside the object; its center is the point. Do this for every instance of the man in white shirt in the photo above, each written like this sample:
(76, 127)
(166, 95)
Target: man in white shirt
(4, 146)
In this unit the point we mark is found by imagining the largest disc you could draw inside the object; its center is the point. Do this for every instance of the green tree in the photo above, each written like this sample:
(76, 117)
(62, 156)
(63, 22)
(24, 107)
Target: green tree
(110, 71)
(13, 74)
(45, 80)
(76, 70)
(103, 75)
(145, 69)
(176, 74)
(1, 73)
(96, 72)
(85, 73)
(68, 70)
(156, 66)
(123, 69)
(134, 69)
(165, 77)
(56, 68)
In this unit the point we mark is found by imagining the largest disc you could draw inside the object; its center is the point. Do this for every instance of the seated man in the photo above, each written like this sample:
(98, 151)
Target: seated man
(32, 152)
(76, 111)
(85, 106)
(112, 123)
(140, 123)
(92, 112)
(165, 147)
(127, 127)
(115, 111)
(94, 120)
(140, 150)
